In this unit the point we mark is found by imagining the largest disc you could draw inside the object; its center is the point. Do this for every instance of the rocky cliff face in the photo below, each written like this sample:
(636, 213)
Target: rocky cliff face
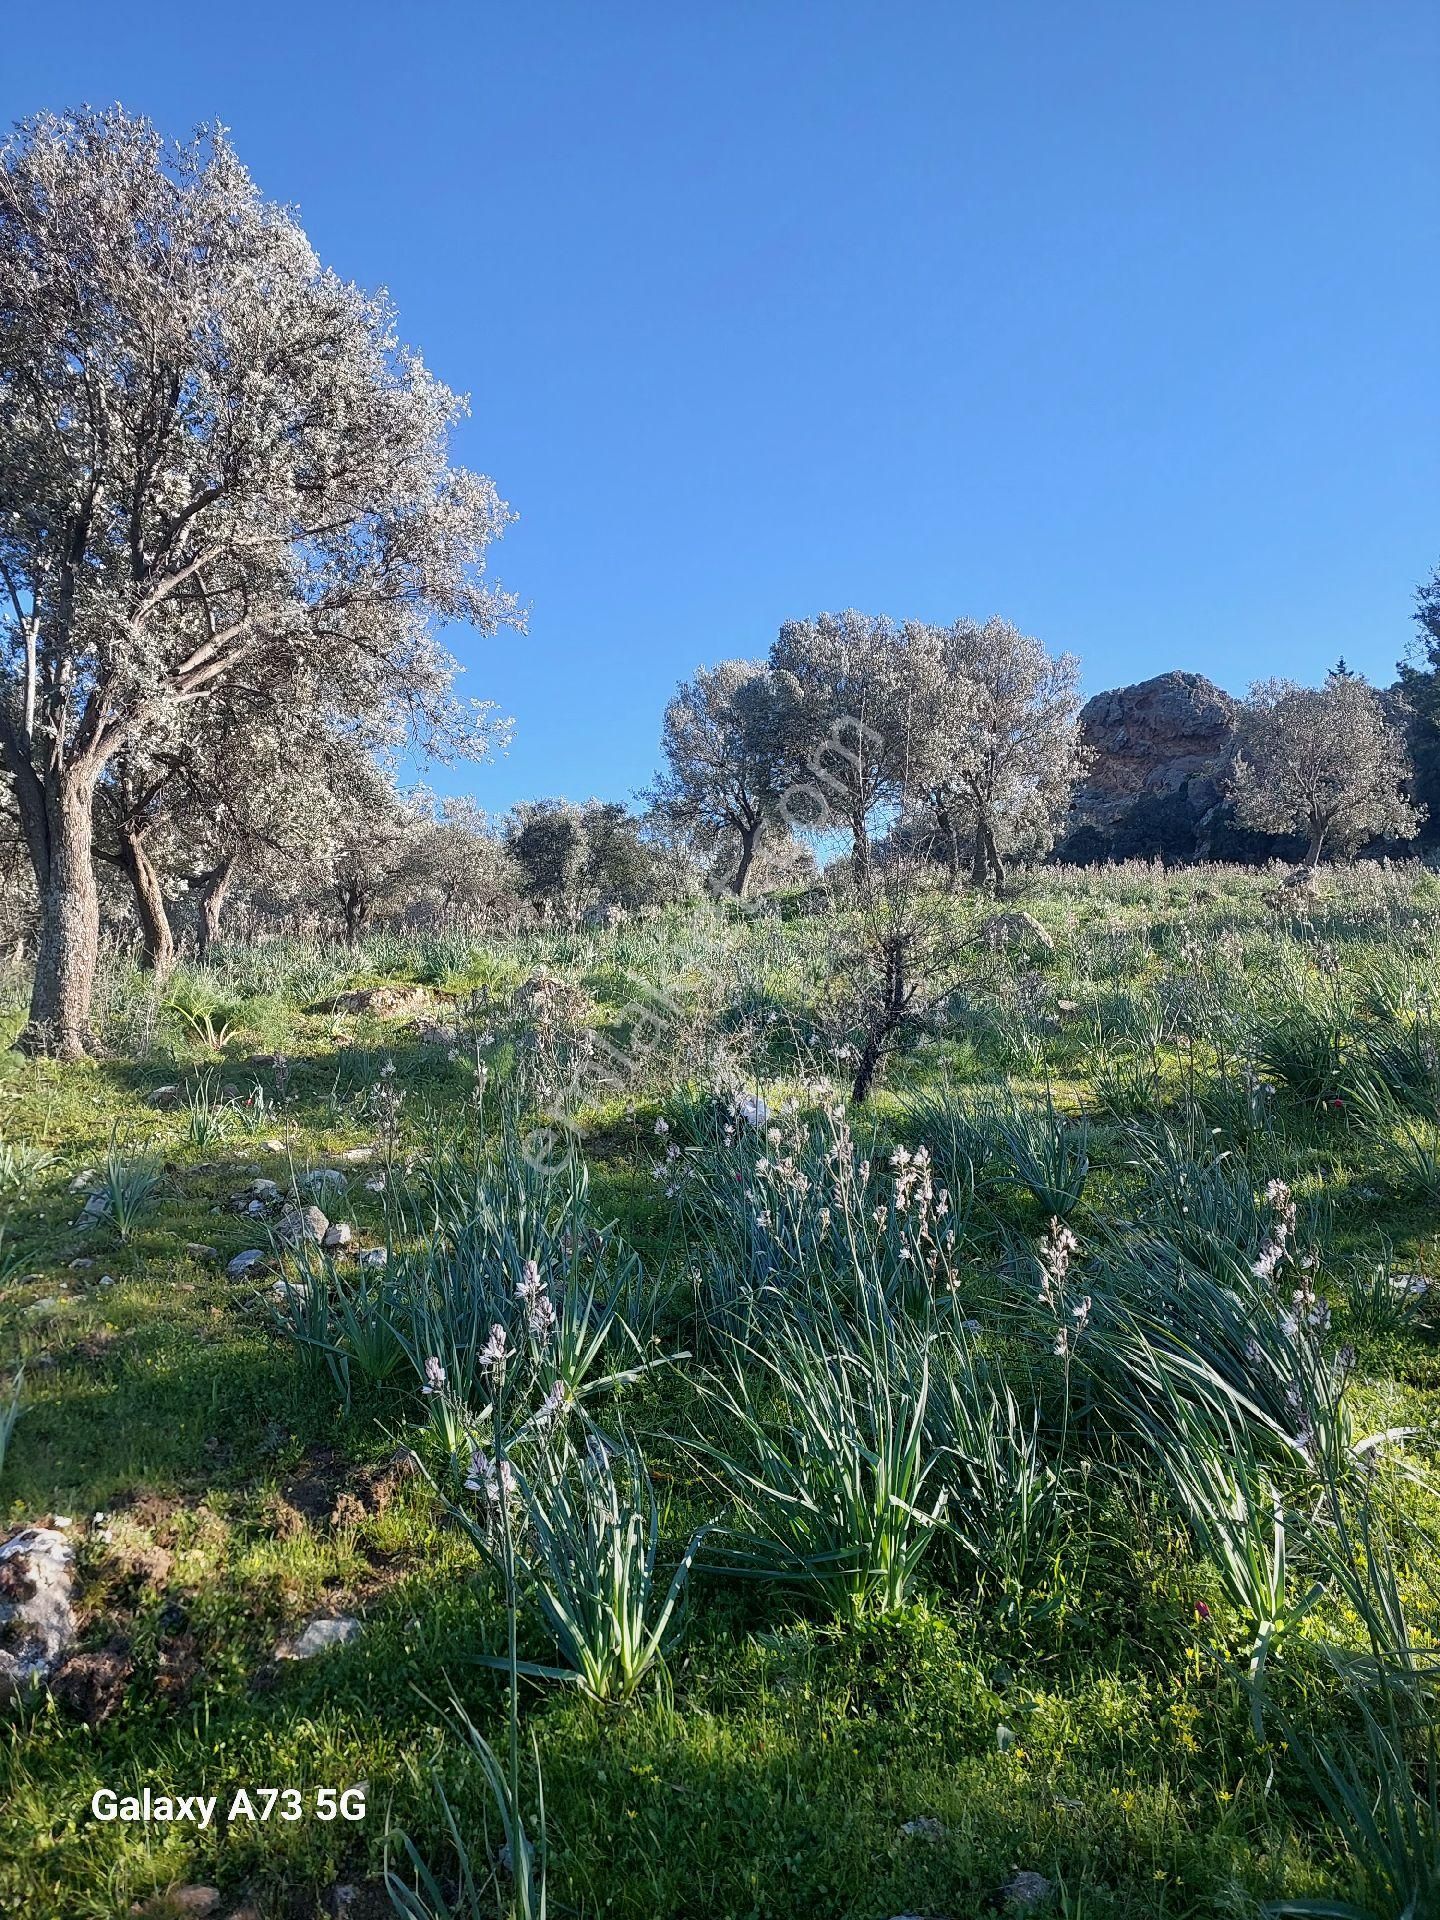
(1157, 753)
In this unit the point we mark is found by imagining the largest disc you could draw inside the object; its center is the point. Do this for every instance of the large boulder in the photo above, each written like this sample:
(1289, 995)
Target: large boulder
(1158, 752)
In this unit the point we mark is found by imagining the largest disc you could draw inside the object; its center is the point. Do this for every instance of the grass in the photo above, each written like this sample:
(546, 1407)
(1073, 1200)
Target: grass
(968, 1563)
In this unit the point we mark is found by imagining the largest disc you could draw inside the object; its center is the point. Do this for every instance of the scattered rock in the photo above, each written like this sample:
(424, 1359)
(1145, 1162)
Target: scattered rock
(1026, 1889)
(379, 1000)
(373, 1257)
(1003, 929)
(338, 1234)
(96, 1208)
(924, 1828)
(325, 1180)
(301, 1224)
(52, 1303)
(180, 1903)
(367, 1900)
(81, 1266)
(319, 1636)
(357, 1156)
(83, 1182)
(198, 1250)
(166, 1096)
(37, 1619)
(93, 1685)
(242, 1264)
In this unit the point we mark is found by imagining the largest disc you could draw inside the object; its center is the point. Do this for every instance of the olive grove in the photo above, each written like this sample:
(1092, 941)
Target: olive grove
(215, 458)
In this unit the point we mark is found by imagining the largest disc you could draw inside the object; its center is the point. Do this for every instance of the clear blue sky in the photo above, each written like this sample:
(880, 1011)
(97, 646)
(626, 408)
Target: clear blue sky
(1118, 319)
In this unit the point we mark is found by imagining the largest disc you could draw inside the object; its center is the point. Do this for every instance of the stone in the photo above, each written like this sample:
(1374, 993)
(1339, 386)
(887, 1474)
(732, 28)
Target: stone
(319, 1636)
(244, 1262)
(325, 1180)
(199, 1250)
(338, 1234)
(180, 1903)
(923, 1828)
(37, 1616)
(1026, 1889)
(356, 1156)
(373, 1257)
(1002, 929)
(301, 1224)
(166, 1096)
(95, 1210)
(380, 1000)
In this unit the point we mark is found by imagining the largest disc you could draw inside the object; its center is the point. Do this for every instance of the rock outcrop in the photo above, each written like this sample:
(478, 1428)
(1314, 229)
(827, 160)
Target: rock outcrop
(1158, 750)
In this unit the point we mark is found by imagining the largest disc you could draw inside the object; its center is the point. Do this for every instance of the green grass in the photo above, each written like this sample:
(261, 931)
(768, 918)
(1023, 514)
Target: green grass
(1087, 1722)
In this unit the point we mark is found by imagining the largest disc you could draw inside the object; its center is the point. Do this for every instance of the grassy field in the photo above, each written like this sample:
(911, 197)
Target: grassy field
(1027, 1418)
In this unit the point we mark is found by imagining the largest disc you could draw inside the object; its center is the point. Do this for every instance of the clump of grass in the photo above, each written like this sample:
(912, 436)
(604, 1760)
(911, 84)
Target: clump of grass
(588, 1556)
(828, 1455)
(128, 1185)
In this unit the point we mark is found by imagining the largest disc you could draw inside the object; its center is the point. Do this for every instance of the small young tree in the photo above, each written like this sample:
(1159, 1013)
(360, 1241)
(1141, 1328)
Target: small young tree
(214, 456)
(724, 742)
(1323, 761)
(1001, 754)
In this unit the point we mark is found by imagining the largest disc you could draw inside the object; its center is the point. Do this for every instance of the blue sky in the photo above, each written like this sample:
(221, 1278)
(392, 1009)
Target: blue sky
(1120, 320)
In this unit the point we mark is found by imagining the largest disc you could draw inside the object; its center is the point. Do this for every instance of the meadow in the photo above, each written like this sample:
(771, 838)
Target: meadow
(1016, 1493)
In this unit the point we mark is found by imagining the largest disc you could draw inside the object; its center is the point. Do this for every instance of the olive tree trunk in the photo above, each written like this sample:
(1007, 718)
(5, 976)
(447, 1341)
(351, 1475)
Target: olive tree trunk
(157, 937)
(749, 841)
(58, 817)
(213, 892)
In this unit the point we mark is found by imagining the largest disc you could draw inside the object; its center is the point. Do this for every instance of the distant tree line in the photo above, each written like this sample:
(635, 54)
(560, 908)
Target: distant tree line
(230, 528)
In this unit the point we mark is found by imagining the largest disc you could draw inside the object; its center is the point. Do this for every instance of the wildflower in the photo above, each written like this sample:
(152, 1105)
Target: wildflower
(531, 1292)
(434, 1375)
(662, 1127)
(496, 1350)
(551, 1406)
(494, 1478)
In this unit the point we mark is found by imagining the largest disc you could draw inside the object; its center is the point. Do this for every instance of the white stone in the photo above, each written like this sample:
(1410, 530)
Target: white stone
(37, 1629)
(320, 1636)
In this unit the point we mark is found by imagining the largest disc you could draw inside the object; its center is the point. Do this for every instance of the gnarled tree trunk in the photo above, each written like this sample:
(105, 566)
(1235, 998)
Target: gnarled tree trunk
(155, 932)
(749, 841)
(213, 892)
(58, 818)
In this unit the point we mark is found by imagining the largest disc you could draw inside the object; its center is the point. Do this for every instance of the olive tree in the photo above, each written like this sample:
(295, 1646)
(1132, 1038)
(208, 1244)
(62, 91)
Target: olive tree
(1001, 753)
(724, 780)
(852, 727)
(214, 455)
(1323, 761)
(1420, 687)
